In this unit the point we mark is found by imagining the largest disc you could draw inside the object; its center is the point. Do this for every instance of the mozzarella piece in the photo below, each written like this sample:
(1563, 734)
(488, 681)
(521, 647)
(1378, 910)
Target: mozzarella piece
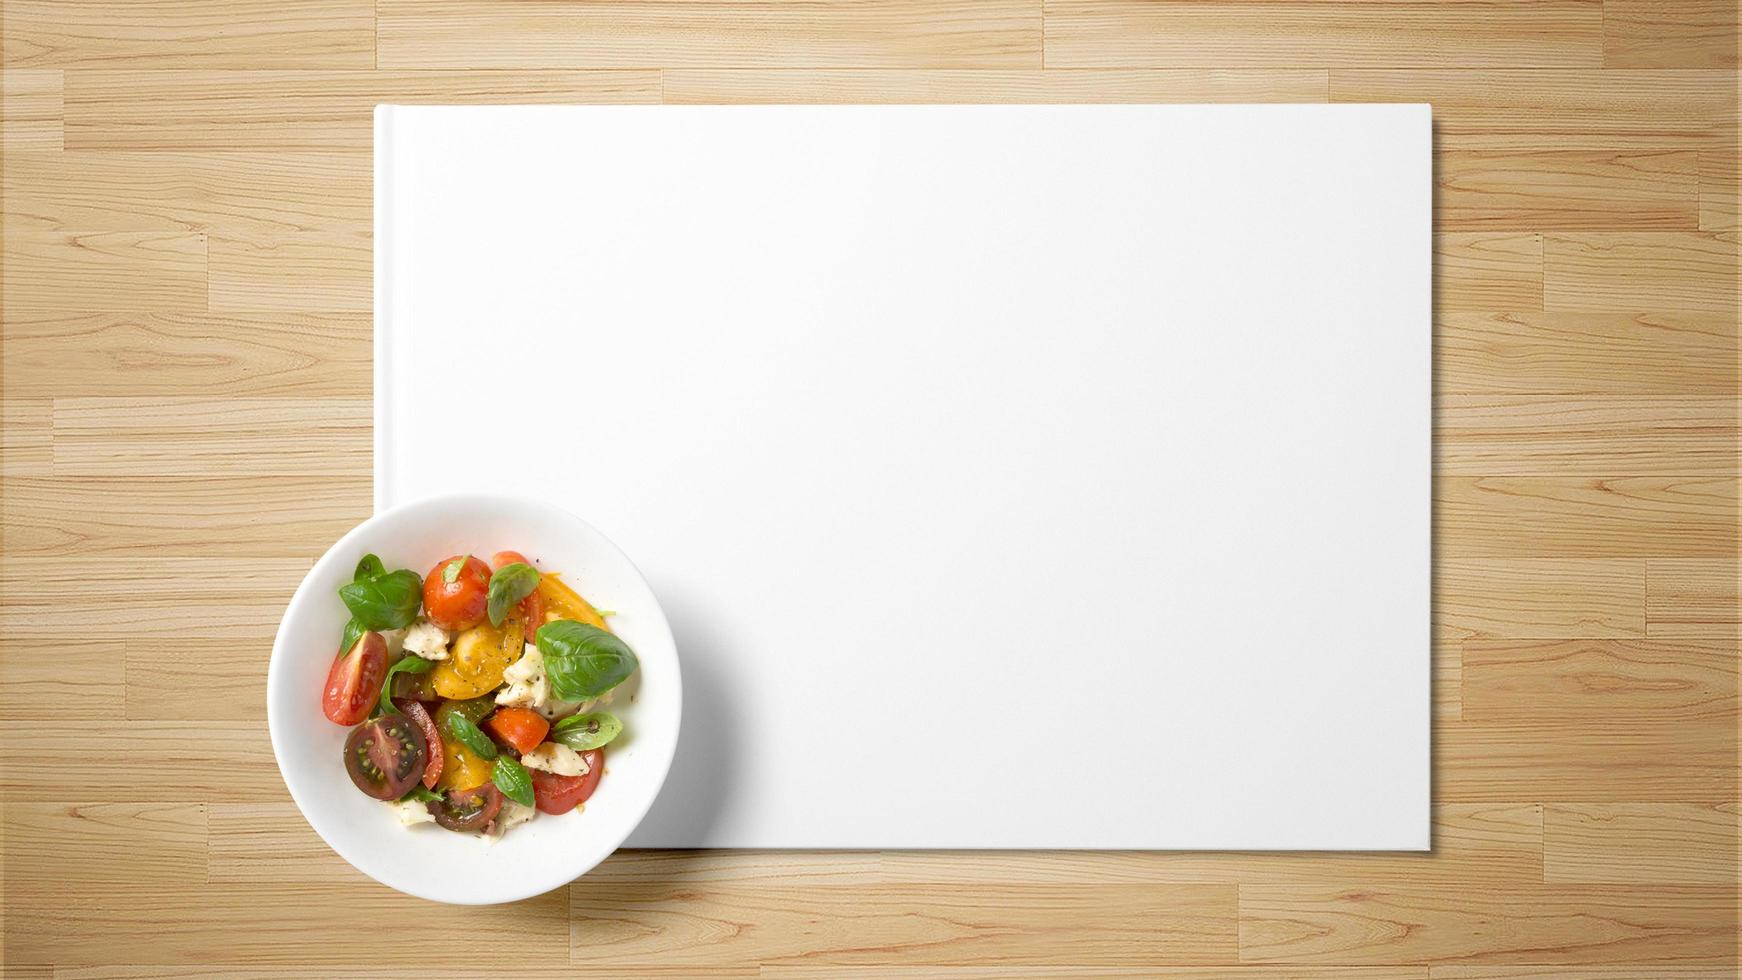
(555, 758)
(513, 815)
(426, 640)
(412, 812)
(529, 687)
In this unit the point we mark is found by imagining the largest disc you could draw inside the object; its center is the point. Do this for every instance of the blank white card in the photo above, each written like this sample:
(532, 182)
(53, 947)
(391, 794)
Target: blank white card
(1012, 476)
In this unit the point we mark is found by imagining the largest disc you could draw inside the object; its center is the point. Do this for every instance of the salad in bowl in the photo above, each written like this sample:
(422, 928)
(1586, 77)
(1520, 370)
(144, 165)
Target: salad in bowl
(465, 724)
(475, 695)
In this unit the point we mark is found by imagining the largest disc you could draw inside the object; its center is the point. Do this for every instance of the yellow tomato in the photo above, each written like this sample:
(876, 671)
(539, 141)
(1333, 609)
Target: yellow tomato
(478, 657)
(562, 602)
(461, 767)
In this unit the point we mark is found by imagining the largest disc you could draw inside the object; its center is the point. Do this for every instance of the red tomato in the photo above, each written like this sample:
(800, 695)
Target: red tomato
(560, 794)
(354, 682)
(419, 716)
(519, 727)
(531, 607)
(457, 605)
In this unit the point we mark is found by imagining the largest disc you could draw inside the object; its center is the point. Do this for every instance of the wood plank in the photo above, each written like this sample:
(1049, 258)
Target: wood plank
(248, 924)
(1600, 438)
(681, 923)
(147, 595)
(1093, 973)
(61, 270)
(1622, 760)
(1574, 517)
(301, 110)
(697, 34)
(1669, 33)
(269, 516)
(1629, 271)
(1640, 843)
(1499, 844)
(739, 866)
(59, 354)
(482, 970)
(247, 195)
(1545, 924)
(1486, 270)
(1585, 353)
(194, 436)
(229, 673)
(1721, 189)
(26, 436)
(1656, 971)
(30, 110)
(1555, 109)
(1538, 597)
(1567, 190)
(308, 272)
(1693, 597)
(1596, 682)
(138, 762)
(841, 86)
(52, 676)
(1133, 33)
(116, 845)
(269, 843)
(190, 33)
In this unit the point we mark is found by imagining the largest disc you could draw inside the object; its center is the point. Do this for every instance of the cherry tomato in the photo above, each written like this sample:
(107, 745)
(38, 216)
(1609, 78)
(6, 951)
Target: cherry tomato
(467, 809)
(566, 602)
(432, 739)
(460, 604)
(478, 658)
(385, 757)
(531, 607)
(520, 727)
(354, 682)
(560, 794)
(461, 767)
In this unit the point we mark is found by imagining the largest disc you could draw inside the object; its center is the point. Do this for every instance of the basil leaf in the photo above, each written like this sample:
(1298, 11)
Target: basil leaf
(513, 780)
(404, 665)
(421, 795)
(471, 736)
(583, 661)
(452, 569)
(385, 602)
(353, 632)
(583, 732)
(369, 567)
(510, 584)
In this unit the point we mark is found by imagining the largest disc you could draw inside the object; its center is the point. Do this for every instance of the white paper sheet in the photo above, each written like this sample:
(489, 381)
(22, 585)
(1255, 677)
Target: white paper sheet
(1012, 476)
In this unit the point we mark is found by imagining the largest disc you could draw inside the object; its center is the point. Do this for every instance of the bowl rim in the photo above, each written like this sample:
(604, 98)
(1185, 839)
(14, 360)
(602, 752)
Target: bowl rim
(538, 884)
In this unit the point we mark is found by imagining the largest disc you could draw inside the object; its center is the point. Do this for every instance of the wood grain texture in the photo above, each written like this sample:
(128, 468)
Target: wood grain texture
(1125, 33)
(185, 374)
(190, 33)
(694, 34)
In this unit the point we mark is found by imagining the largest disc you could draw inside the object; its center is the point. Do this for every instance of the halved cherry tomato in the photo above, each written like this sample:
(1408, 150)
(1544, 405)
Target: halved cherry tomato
(531, 607)
(460, 604)
(385, 757)
(560, 794)
(467, 809)
(354, 681)
(432, 739)
(519, 727)
(478, 657)
(566, 602)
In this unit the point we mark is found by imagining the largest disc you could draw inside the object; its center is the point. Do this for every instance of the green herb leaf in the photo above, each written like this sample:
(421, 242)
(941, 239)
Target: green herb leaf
(471, 736)
(353, 632)
(385, 602)
(583, 661)
(421, 795)
(510, 584)
(407, 664)
(369, 567)
(513, 780)
(452, 569)
(583, 732)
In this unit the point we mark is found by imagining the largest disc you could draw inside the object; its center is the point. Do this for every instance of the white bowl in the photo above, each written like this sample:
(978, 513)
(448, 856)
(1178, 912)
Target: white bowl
(427, 861)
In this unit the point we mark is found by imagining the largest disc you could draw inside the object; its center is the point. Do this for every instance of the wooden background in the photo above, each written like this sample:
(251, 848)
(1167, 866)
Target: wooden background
(186, 318)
